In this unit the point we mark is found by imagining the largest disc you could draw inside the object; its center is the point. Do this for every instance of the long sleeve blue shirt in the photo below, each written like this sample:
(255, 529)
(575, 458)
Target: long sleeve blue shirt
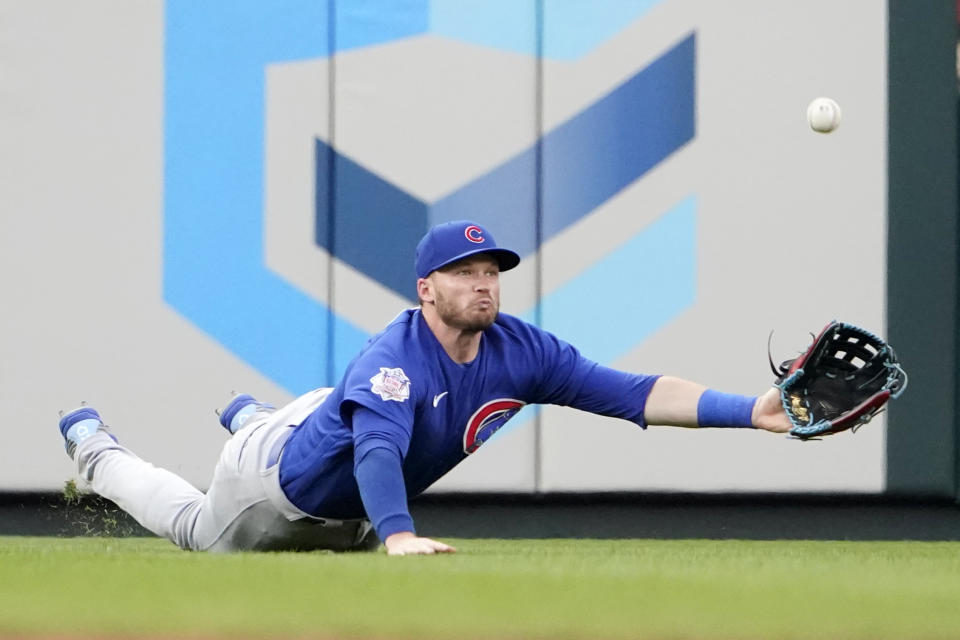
(405, 414)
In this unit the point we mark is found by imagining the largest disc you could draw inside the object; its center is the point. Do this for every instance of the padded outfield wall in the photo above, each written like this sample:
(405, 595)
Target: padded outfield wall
(200, 197)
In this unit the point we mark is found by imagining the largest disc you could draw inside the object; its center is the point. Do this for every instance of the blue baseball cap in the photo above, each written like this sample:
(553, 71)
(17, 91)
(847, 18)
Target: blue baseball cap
(452, 241)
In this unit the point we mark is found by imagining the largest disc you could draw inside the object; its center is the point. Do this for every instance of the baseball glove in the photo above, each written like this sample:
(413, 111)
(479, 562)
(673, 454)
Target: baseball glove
(840, 382)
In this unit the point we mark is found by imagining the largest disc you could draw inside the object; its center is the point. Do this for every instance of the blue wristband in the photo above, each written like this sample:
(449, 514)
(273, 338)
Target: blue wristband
(717, 409)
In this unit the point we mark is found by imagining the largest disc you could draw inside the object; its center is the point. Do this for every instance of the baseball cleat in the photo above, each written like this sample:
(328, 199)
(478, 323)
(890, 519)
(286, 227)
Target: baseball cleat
(78, 425)
(238, 411)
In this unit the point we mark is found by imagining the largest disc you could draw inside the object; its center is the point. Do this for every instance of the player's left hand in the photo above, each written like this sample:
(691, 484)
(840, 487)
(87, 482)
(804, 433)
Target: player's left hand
(407, 543)
(768, 413)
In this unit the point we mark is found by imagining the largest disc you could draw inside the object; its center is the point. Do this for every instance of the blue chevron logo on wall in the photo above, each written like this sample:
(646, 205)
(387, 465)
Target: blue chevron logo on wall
(214, 271)
(637, 125)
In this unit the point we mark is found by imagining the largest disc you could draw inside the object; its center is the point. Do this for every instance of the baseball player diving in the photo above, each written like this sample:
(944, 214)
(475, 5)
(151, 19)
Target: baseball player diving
(334, 469)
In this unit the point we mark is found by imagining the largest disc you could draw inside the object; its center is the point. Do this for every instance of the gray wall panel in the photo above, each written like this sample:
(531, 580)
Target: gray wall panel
(435, 111)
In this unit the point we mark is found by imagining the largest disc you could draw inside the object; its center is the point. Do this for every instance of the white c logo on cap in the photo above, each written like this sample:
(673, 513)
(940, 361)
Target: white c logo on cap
(474, 234)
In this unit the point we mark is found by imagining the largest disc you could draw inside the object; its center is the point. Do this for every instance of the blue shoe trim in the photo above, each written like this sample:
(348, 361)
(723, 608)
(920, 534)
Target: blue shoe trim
(231, 411)
(83, 429)
(75, 416)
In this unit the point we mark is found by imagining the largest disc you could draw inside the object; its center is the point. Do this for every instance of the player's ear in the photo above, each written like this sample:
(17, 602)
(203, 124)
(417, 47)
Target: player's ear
(425, 289)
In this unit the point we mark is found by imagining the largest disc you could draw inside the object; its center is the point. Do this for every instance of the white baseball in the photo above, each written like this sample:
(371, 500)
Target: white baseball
(823, 114)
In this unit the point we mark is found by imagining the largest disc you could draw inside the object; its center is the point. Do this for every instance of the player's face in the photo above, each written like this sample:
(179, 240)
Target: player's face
(467, 293)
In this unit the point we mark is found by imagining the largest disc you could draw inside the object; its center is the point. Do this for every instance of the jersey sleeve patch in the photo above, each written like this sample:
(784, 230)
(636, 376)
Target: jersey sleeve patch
(391, 384)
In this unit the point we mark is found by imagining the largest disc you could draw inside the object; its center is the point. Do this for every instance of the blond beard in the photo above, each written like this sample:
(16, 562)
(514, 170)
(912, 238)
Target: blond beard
(458, 320)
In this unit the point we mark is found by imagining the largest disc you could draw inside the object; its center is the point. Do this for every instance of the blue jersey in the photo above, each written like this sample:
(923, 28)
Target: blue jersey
(432, 412)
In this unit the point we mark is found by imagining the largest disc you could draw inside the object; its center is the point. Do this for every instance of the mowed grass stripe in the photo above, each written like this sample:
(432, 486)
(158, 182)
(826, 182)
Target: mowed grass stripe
(491, 589)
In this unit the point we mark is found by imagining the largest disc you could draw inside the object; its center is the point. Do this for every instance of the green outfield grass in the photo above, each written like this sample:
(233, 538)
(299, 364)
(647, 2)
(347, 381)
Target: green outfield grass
(490, 589)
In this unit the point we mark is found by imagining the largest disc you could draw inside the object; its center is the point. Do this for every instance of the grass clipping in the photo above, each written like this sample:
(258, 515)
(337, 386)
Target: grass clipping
(88, 514)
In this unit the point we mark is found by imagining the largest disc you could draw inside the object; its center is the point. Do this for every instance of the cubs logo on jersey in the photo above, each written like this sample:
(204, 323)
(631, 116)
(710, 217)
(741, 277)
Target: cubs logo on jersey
(486, 420)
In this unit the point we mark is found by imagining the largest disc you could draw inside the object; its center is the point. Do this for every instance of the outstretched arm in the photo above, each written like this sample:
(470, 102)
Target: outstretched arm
(676, 402)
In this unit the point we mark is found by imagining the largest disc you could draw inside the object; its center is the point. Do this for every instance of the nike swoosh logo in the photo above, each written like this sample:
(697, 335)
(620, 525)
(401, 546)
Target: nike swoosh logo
(437, 398)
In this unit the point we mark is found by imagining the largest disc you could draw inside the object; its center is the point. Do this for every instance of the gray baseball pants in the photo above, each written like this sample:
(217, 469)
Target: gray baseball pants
(244, 509)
